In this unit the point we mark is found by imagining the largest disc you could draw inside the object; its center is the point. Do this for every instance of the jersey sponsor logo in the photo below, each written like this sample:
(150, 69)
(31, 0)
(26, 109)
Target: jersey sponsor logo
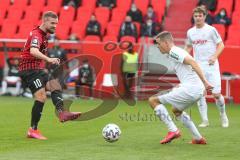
(174, 56)
(199, 41)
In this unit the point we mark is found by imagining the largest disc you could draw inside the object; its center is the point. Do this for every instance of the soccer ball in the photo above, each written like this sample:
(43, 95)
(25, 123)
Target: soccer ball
(111, 132)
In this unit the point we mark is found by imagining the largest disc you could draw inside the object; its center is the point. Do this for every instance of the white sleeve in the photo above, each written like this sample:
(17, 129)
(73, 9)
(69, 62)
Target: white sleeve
(188, 40)
(215, 36)
(178, 55)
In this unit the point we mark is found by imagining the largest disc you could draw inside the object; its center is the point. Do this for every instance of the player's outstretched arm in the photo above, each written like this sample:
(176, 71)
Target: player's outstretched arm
(36, 53)
(190, 61)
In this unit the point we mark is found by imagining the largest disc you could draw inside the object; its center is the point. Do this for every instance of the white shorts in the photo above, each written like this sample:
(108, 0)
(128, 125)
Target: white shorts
(212, 74)
(181, 97)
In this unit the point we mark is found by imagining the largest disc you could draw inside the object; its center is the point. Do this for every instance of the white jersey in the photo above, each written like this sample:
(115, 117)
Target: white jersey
(203, 41)
(186, 75)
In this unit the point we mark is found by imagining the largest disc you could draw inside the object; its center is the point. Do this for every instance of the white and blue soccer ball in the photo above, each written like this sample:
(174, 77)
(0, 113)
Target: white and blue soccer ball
(111, 132)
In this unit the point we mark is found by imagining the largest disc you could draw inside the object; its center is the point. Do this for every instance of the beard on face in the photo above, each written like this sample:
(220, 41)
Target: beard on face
(51, 30)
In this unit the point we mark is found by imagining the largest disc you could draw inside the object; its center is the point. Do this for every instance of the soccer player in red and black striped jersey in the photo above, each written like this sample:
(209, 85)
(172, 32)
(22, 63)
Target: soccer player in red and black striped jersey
(31, 70)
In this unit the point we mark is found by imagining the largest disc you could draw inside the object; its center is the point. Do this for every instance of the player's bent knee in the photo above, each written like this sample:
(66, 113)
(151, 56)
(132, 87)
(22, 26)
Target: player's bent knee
(216, 95)
(153, 101)
(176, 112)
(53, 85)
(40, 96)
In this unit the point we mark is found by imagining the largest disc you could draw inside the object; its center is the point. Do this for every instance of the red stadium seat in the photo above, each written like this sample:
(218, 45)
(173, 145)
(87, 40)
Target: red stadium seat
(118, 15)
(221, 30)
(102, 15)
(113, 29)
(57, 3)
(159, 6)
(233, 42)
(79, 28)
(31, 22)
(24, 30)
(92, 38)
(67, 14)
(32, 14)
(128, 38)
(236, 17)
(233, 33)
(3, 12)
(83, 13)
(227, 4)
(51, 8)
(91, 4)
(12, 12)
(142, 5)
(124, 6)
(138, 25)
(4, 3)
(62, 31)
(234, 28)
(237, 6)
(27, 22)
(110, 38)
(20, 3)
(37, 3)
(9, 28)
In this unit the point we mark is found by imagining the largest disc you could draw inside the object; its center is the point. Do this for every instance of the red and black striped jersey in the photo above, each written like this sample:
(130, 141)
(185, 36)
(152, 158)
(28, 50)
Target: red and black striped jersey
(37, 39)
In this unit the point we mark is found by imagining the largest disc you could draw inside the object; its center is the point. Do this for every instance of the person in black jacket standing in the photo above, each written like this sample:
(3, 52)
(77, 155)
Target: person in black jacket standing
(86, 77)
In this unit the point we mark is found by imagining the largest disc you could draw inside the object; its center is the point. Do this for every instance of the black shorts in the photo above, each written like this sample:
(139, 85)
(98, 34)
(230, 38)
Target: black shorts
(34, 79)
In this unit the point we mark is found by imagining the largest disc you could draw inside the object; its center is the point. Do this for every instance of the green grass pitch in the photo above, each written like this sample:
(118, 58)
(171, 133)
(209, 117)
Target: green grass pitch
(139, 140)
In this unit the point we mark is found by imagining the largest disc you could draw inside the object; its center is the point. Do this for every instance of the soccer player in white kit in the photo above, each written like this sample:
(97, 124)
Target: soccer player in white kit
(190, 90)
(207, 45)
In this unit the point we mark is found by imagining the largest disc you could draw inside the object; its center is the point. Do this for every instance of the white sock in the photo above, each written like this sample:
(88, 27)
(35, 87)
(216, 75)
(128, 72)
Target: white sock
(187, 122)
(4, 87)
(164, 116)
(220, 104)
(202, 107)
(18, 87)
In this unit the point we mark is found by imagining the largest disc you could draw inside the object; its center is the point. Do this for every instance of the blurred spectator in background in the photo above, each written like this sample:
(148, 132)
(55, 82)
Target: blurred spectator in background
(52, 37)
(209, 17)
(135, 13)
(210, 4)
(58, 71)
(106, 3)
(73, 37)
(148, 29)
(129, 68)
(151, 14)
(73, 3)
(93, 26)
(128, 28)
(13, 78)
(222, 18)
(86, 77)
